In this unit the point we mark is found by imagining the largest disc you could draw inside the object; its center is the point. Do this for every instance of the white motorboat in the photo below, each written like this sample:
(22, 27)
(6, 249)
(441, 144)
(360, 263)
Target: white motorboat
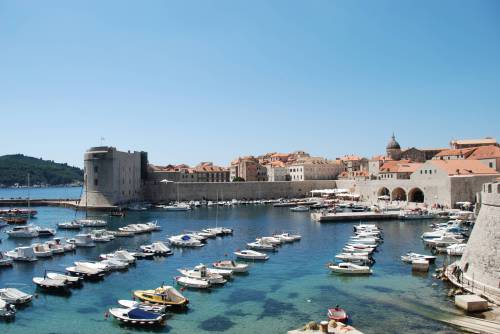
(22, 254)
(363, 258)
(184, 241)
(202, 273)
(231, 265)
(143, 306)
(365, 240)
(5, 261)
(137, 207)
(410, 257)
(41, 250)
(70, 280)
(153, 226)
(73, 225)
(260, 245)
(140, 228)
(68, 246)
(300, 208)
(124, 232)
(85, 272)
(54, 247)
(350, 249)
(157, 248)
(28, 231)
(456, 249)
(114, 264)
(270, 240)
(46, 232)
(177, 207)
(446, 240)
(14, 296)
(120, 255)
(7, 311)
(137, 316)
(350, 268)
(83, 240)
(97, 265)
(226, 273)
(366, 227)
(101, 236)
(195, 283)
(287, 237)
(214, 230)
(50, 284)
(249, 254)
(92, 222)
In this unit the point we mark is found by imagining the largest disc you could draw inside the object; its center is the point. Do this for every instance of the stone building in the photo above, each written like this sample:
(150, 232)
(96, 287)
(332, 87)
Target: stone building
(311, 168)
(277, 170)
(248, 168)
(203, 172)
(488, 155)
(401, 169)
(393, 149)
(419, 154)
(479, 268)
(112, 177)
(466, 143)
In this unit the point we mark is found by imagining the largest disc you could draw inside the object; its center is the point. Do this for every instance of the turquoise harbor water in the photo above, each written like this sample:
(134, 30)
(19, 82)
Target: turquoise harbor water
(290, 289)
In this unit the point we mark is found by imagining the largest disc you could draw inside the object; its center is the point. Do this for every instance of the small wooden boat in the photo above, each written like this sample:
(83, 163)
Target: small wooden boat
(137, 316)
(338, 314)
(164, 295)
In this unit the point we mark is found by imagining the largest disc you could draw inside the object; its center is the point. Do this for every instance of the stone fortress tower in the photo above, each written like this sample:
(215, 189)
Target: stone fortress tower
(479, 267)
(112, 177)
(393, 149)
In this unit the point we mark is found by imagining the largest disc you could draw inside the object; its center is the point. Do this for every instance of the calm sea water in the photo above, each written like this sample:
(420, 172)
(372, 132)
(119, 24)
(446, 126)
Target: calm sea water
(41, 193)
(290, 289)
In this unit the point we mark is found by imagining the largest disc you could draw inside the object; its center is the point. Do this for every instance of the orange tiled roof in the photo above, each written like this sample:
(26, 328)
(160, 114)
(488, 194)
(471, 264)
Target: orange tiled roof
(481, 141)
(485, 152)
(463, 167)
(391, 166)
(463, 151)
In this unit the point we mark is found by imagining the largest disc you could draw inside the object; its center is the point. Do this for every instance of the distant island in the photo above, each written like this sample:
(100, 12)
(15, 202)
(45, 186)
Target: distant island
(14, 171)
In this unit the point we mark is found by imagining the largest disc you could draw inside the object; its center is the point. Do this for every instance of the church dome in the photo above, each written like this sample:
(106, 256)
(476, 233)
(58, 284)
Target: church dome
(393, 144)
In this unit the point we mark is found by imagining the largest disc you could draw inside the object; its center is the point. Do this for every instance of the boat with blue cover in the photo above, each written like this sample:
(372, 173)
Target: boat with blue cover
(137, 316)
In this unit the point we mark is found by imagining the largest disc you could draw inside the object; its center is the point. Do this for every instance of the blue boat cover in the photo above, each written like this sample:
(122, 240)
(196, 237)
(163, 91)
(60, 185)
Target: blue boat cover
(185, 237)
(137, 313)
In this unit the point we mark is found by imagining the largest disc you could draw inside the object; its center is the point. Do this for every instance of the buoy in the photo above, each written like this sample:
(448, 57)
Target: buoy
(308, 300)
(106, 315)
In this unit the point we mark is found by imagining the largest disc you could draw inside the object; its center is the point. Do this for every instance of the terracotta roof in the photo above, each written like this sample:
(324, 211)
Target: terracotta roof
(380, 158)
(463, 167)
(485, 152)
(350, 158)
(280, 155)
(463, 151)
(409, 168)
(277, 164)
(392, 166)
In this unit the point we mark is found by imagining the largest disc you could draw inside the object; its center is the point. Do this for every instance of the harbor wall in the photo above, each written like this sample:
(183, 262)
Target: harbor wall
(480, 263)
(163, 192)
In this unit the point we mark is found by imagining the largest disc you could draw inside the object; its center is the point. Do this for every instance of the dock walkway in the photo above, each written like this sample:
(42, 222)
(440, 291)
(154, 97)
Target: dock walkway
(353, 216)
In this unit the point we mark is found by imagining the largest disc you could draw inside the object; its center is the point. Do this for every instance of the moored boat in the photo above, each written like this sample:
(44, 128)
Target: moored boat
(137, 316)
(194, 283)
(163, 295)
(15, 296)
(350, 269)
(249, 254)
(231, 265)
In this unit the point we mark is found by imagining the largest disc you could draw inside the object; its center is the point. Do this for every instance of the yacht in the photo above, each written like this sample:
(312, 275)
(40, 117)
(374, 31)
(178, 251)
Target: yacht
(28, 231)
(350, 268)
(25, 254)
(249, 254)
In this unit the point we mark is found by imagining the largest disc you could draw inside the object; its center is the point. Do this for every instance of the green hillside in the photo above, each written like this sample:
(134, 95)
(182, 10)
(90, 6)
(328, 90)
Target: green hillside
(15, 168)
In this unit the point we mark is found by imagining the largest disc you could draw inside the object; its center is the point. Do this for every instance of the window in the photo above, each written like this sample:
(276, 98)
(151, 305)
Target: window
(96, 182)
(426, 171)
(430, 171)
(96, 169)
(466, 267)
(489, 188)
(491, 164)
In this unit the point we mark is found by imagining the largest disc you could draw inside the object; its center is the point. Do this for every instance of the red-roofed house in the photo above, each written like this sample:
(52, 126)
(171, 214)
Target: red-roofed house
(454, 154)
(488, 155)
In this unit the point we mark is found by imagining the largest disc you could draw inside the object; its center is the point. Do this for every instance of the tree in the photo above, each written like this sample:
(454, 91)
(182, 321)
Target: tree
(238, 179)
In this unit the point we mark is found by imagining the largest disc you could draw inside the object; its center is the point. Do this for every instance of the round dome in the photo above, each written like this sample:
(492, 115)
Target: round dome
(393, 144)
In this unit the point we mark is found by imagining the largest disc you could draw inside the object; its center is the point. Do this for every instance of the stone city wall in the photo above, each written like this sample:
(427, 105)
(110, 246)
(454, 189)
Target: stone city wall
(163, 192)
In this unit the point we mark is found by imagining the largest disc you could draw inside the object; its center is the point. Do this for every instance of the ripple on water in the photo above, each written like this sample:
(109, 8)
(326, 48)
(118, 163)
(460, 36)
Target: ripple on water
(87, 310)
(216, 324)
(236, 313)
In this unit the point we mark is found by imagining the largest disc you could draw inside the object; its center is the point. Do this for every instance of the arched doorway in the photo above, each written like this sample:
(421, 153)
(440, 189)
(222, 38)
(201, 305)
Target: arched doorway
(416, 195)
(398, 194)
(384, 194)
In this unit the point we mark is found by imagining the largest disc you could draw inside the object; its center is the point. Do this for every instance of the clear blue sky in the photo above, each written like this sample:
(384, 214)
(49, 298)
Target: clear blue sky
(192, 81)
